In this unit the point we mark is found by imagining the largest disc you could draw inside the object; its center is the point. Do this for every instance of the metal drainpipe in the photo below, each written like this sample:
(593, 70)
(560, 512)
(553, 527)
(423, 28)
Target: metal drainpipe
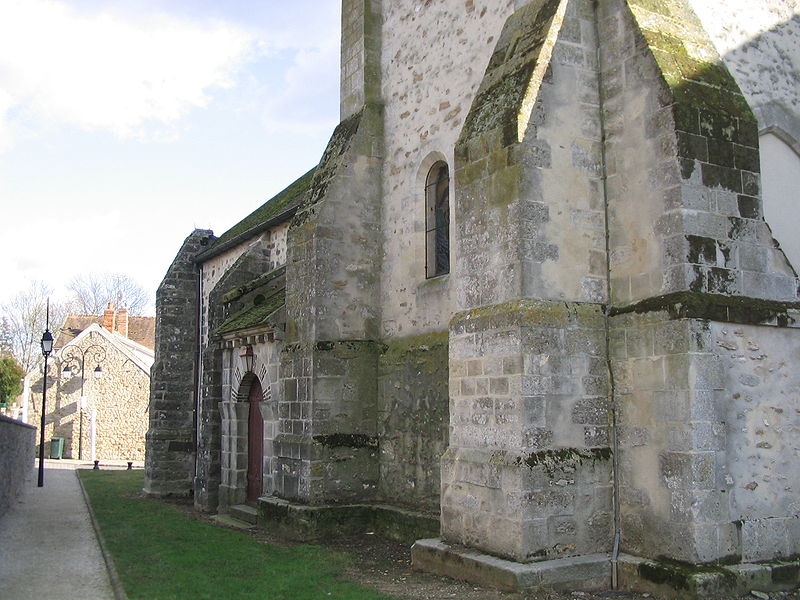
(606, 319)
(198, 371)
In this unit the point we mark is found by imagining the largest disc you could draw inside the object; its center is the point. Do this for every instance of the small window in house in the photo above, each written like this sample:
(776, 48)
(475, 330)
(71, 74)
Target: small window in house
(437, 220)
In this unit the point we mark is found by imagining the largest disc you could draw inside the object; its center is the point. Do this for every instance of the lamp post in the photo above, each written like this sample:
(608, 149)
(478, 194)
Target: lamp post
(47, 348)
(73, 354)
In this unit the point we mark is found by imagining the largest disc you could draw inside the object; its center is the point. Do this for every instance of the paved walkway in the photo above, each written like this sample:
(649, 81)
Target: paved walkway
(48, 547)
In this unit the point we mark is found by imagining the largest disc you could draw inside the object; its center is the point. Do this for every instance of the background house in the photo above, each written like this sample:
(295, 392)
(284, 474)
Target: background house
(97, 386)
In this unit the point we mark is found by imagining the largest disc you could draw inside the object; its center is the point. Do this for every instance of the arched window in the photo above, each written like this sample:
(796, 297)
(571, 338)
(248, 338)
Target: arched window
(437, 220)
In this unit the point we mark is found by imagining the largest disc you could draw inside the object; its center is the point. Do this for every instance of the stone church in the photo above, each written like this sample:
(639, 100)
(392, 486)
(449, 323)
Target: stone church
(534, 310)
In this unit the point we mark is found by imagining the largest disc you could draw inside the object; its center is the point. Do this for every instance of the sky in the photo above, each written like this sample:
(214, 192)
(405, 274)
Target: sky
(126, 124)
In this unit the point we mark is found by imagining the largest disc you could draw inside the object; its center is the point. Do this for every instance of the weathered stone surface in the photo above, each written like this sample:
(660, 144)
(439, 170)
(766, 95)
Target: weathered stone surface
(171, 377)
(606, 225)
(17, 443)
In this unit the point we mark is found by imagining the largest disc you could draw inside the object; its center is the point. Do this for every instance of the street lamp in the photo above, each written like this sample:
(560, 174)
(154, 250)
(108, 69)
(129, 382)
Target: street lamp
(247, 356)
(73, 354)
(47, 348)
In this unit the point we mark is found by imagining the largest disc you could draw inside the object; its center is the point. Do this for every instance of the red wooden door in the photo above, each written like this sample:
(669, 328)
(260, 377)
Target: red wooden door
(255, 444)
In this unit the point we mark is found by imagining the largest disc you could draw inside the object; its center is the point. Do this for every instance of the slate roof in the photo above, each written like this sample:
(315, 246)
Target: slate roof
(141, 330)
(275, 210)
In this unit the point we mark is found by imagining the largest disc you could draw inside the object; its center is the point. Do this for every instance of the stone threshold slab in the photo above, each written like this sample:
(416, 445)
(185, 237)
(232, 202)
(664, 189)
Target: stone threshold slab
(591, 571)
(669, 579)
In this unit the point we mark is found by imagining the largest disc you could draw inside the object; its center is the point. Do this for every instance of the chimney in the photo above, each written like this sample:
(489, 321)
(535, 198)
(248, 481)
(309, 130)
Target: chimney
(122, 321)
(108, 317)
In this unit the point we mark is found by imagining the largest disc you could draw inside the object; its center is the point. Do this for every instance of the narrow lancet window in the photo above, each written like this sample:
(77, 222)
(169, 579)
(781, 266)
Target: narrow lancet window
(437, 220)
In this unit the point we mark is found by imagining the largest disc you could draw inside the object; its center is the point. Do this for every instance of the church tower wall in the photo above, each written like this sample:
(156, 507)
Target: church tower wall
(527, 474)
(169, 463)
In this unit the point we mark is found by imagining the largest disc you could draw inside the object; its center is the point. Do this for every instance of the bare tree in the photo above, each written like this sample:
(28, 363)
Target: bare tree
(6, 341)
(25, 316)
(91, 293)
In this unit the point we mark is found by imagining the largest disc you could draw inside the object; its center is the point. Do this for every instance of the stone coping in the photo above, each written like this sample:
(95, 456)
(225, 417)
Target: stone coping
(666, 579)
(591, 571)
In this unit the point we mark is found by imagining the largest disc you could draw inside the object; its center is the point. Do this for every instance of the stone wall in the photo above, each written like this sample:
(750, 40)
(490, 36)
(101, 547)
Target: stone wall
(682, 162)
(255, 258)
(527, 474)
(17, 443)
(360, 55)
(332, 316)
(413, 420)
(707, 430)
(169, 466)
(434, 55)
(759, 406)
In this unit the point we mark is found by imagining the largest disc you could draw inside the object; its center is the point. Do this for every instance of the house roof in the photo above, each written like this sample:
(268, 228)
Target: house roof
(141, 330)
(277, 209)
(138, 354)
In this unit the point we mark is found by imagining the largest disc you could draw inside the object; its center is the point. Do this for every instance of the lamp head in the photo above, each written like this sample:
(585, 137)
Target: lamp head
(98, 372)
(47, 342)
(66, 373)
(247, 357)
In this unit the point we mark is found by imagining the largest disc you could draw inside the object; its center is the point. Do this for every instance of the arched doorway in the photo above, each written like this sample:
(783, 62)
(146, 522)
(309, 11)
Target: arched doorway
(255, 443)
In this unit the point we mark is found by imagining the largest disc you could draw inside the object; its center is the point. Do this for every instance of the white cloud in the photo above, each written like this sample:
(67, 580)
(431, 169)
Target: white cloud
(134, 78)
(295, 107)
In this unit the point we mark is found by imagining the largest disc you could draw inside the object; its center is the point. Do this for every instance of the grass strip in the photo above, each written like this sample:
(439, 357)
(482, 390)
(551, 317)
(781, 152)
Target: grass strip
(161, 553)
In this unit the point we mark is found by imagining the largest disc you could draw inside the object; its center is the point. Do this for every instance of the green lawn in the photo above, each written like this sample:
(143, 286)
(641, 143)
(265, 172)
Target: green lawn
(162, 553)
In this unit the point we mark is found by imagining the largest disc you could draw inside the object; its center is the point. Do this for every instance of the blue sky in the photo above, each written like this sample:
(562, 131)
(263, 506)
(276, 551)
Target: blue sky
(125, 124)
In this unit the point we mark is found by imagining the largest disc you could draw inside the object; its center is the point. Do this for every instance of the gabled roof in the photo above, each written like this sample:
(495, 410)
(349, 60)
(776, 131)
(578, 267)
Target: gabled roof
(277, 209)
(139, 355)
(141, 330)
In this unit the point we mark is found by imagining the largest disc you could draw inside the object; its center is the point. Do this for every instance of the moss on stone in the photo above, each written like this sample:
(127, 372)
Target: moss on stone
(559, 458)
(539, 313)
(666, 26)
(263, 280)
(255, 315)
(715, 307)
(682, 576)
(498, 102)
(397, 351)
(346, 440)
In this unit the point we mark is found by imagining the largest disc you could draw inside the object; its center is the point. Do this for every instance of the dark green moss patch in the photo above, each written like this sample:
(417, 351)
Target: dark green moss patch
(714, 307)
(255, 315)
(682, 576)
(497, 103)
(558, 458)
(692, 81)
(783, 574)
(265, 279)
(346, 440)
(399, 350)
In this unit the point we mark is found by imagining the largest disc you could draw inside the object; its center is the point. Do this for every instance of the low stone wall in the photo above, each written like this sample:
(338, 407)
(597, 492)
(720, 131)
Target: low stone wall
(17, 443)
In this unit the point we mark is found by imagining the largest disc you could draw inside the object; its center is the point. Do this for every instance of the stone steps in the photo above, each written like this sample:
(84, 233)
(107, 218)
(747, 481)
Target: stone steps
(243, 512)
(229, 521)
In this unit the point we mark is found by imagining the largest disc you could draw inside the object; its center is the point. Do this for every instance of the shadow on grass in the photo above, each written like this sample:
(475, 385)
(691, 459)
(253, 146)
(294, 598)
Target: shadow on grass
(162, 553)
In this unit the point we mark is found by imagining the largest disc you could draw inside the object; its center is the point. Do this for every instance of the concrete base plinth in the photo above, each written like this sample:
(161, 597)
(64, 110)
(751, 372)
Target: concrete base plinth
(305, 522)
(582, 572)
(671, 579)
(665, 579)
